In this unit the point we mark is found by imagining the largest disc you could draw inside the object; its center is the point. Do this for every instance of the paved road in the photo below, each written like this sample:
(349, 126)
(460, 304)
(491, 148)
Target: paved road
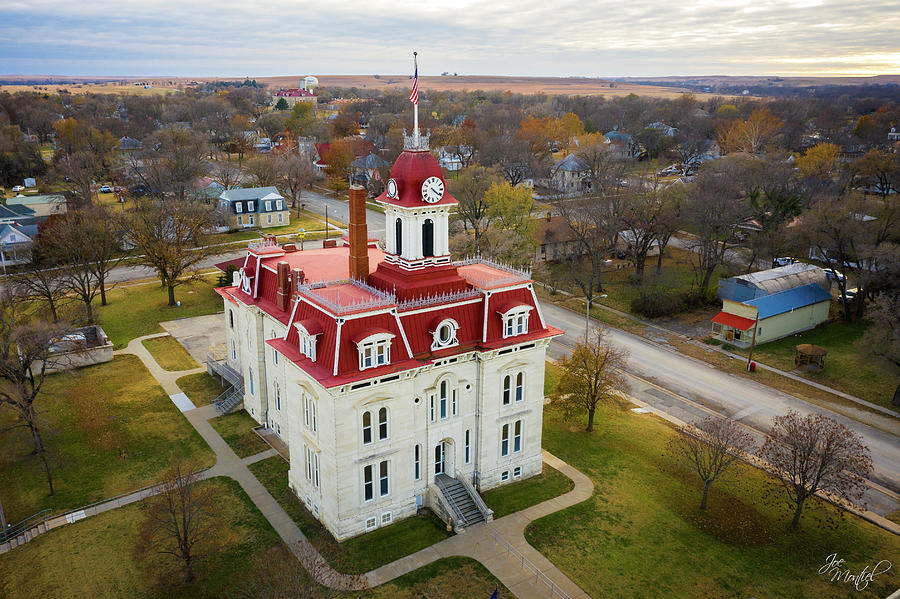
(339, 209)
(690, 389)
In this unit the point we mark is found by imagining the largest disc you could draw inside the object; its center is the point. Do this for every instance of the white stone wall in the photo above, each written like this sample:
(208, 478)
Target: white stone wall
(339, 501)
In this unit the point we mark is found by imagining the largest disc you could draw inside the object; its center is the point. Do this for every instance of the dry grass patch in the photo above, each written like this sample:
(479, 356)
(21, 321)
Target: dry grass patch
(169, 354)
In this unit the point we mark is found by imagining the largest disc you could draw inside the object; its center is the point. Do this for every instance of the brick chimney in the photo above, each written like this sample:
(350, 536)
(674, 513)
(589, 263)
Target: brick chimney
(283, 292)
(359, 237)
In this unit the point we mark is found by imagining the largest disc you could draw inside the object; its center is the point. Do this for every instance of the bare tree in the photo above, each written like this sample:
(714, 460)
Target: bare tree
(643, 208)
(712, 208)
(172, 159)
(43, 283)
(590, 375)
(261, 170)
(710, 447)
(294, 174)
(816, 453)
(227, 172)
(882, 340)
(166, 233)
(179, 520)
(25, 356)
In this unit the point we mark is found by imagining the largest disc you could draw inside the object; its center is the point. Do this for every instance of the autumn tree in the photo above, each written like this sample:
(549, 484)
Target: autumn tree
(751, 136)
(820, 161)
(710, 447)
(302, 116)
(18, 158)
(85, 154)
(589, 376)
(506, 228)
(816, 453)
(879, 170)
(338, 158)
(469, 189)
(180, 519)
(166, 234)
(25, 356)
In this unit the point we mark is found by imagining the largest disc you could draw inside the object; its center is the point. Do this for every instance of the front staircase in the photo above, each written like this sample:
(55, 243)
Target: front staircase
(468, 510)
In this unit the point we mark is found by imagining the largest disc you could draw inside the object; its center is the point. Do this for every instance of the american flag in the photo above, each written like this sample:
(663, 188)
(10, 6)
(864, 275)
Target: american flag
(414, 94)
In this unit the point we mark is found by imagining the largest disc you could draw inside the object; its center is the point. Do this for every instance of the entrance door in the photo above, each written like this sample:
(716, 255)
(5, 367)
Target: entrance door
(439, 455)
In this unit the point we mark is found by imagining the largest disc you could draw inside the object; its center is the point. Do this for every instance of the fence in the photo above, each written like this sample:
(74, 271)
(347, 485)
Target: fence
(539, 577)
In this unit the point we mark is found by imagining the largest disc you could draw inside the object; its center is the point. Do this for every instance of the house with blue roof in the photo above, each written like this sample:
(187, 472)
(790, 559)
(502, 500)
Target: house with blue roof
(254, 207)
(774, 316)
(571, 174)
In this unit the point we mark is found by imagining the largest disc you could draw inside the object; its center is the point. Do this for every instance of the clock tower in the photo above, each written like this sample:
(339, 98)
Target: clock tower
(417, 223)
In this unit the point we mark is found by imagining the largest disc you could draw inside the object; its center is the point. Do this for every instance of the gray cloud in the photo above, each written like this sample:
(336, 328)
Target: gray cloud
(528, 37)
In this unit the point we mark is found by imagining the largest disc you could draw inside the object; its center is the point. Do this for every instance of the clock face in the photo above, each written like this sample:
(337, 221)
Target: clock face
(432, 190)
(392, 188)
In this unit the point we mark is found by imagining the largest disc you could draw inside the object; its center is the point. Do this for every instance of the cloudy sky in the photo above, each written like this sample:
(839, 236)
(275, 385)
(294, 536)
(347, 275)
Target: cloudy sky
(486, 37)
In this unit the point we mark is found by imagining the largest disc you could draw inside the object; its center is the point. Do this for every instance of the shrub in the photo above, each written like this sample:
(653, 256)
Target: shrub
(653, 302)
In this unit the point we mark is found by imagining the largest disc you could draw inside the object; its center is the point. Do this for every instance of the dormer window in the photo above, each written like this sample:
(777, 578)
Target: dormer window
(279, 205)
(238, 207)
(268, 206)
(249, 206)
(444, 334)
(307, 331)
(374, 350)
(515, 319)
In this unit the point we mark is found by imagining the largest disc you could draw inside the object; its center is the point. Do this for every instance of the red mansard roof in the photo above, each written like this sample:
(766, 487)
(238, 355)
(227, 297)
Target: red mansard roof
(364, 310)
(294, 93)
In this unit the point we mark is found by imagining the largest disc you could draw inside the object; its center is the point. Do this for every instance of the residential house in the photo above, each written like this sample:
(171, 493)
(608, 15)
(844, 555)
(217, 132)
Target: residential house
(254, 207)
(773, 316)
(17, 214)
(16, 242)
(556, 240)
(398, 379)
(367, 166)
(129, 144)
(773, 280)
(451, 157)
(207, 188)
(893, 134)
(570, 175)
(663, 128)
(41, 205)
(623, 143)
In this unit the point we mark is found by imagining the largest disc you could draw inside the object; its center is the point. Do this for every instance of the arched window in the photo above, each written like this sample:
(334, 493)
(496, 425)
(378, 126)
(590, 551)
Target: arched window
(277, 397)
(367, 427)
(507, 389)
(520, 386)
(382, 424)
(517, 436)
(504, 440)
(398, 236)
(428, 238)
(231, 318)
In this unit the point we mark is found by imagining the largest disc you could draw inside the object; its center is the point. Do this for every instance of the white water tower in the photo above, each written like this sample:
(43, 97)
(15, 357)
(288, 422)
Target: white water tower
(310, 83)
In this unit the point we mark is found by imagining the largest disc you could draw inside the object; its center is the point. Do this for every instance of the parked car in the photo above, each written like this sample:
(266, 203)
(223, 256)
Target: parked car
(117, 189)
(783, 261)
(834, 275)
(105, 189)
(850, 293)
(18, 188)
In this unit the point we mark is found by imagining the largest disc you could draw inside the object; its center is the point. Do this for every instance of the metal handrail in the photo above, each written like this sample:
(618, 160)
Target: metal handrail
(455, 507)
(32, 521)
(526, 564)
(487, 512)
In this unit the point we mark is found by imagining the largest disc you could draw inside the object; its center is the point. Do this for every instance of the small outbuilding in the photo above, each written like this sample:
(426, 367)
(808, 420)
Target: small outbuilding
(774, 316)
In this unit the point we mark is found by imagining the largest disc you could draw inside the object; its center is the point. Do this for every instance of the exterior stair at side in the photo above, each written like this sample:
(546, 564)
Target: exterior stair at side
(465, 506)
(230, 400)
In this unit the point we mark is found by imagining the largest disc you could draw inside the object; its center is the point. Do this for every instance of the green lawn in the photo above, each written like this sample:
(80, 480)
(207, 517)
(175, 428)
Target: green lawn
(641, 534)
(517, 496)
(237, 430)
(137, 310)
(359, 554)
(96, 557)
(200, 388)
(110, 429)
(169, 354)
(447, 578)
(845, 369)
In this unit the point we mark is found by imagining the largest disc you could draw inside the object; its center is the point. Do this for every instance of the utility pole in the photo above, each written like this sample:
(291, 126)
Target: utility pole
(587, 321)
(753, 340)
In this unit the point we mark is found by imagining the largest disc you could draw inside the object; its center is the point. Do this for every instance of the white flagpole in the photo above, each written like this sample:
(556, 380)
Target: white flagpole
(416, 105)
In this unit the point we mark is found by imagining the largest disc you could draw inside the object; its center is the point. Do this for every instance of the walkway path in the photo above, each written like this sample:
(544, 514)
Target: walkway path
(500, 545)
